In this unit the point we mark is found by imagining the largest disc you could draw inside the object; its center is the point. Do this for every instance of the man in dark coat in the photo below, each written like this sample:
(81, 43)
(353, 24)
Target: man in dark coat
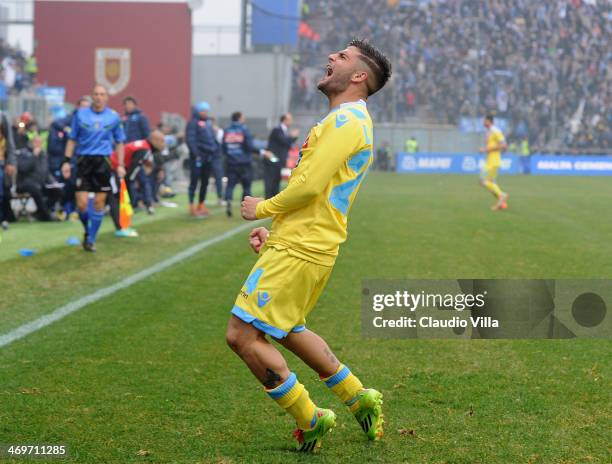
(203, 145)
(280, 141)
(135, 123)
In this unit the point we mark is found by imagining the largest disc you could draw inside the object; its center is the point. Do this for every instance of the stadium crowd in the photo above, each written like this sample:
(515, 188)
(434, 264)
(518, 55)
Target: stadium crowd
(17, 70)
(545, 67)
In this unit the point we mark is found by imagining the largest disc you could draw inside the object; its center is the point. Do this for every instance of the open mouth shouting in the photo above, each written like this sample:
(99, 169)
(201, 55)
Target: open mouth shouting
(328, 73)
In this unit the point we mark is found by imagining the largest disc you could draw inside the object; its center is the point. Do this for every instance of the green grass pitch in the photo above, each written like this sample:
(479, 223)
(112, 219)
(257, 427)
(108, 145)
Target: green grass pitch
(145, 376)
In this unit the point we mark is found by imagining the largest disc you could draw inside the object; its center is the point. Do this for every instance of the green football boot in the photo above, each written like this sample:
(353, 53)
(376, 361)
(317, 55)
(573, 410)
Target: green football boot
(309, 441)
(368, 412)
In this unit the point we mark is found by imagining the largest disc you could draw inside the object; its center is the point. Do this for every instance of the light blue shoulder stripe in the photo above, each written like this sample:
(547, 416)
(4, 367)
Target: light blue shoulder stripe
(359, 160)
(356, 112)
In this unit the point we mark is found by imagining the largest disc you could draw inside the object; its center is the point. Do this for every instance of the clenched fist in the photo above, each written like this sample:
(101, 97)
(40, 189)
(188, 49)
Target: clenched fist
(257, 238)
(248, 207)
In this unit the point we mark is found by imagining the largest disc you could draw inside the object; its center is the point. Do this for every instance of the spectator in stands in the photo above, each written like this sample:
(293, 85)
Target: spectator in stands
(280, 141)
(540, 65)
(7, 167)
(20, 130)
(202, 145)
(31, 67)
(33, 131)
(135, 123)
(32, 175)
(17, 70)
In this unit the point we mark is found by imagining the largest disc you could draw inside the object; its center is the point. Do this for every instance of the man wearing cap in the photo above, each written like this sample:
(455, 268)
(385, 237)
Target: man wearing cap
(202, 145)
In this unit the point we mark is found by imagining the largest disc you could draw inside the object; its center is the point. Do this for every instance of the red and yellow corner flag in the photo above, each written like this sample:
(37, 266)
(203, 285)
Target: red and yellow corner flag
(125, 206)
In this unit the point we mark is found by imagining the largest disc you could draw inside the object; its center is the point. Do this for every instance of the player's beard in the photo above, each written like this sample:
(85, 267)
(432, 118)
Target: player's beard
(337, 83)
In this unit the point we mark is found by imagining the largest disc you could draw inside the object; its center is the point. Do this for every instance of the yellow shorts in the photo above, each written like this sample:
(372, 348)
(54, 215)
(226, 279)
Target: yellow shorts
(280, 292)
(489, 172)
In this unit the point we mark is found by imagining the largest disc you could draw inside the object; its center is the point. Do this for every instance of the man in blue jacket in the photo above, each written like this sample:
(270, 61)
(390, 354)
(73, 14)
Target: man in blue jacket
(202, 145)
(135, 123)
(238, 149)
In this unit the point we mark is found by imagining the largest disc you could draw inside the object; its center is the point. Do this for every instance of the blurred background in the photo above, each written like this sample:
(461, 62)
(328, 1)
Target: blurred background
(543, 69)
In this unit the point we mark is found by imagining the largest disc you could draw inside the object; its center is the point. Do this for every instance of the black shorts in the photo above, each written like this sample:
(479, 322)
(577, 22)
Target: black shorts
(93, 173)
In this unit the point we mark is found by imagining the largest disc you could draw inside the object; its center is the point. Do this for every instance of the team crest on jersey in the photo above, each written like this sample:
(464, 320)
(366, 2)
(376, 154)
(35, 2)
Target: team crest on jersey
(113, 68)
(263, 298)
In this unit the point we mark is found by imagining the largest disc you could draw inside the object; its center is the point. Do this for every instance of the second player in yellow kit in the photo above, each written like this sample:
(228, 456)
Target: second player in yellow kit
(310, 222)
(495, 144)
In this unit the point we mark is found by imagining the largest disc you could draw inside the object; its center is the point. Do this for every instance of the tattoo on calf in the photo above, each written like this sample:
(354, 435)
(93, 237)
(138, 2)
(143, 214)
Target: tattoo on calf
(330, 355)
(271, 378)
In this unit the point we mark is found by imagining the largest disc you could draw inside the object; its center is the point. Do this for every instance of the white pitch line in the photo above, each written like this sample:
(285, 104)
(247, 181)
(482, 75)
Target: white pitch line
(63, 311)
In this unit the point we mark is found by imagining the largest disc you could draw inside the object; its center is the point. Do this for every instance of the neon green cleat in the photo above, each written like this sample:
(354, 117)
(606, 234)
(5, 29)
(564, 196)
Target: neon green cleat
(369, 413)
(310, 440)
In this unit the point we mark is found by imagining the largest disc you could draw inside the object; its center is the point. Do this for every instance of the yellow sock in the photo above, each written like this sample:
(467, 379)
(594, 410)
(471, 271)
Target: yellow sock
(493, 188)
(293, 397)
(346, 385)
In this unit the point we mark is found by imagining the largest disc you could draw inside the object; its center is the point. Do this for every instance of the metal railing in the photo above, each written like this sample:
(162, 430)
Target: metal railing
(35, 105)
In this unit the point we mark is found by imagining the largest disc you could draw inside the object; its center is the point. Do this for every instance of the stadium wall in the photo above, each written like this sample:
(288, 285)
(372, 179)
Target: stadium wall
(153, 39)
(471, 163)
(257, 84)
(450, 163)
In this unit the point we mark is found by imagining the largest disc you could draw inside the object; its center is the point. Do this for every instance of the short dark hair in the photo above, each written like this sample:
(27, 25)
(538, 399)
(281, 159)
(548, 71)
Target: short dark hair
(283, 118)
(489, 117)
(376, 60)
(236, 115)
(86, 98)
(130, 98)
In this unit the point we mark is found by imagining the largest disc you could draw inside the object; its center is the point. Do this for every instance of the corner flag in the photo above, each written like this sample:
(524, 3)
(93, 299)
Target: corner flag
(125, 206)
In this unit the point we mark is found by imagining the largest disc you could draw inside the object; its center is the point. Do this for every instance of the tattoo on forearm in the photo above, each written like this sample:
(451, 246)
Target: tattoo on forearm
(330, 355)
(271, 378)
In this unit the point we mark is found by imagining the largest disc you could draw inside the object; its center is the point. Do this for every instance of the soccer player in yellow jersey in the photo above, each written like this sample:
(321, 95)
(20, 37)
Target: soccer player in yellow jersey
(495, 144)
(297, 256)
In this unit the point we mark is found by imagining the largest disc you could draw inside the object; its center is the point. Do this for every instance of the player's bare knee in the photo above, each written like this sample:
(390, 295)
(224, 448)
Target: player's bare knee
(82, 205)
(239, 336)
(232, 338)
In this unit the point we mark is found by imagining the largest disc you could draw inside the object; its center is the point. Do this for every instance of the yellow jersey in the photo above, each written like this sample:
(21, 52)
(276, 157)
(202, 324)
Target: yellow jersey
(495, 137)
(310, 215)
